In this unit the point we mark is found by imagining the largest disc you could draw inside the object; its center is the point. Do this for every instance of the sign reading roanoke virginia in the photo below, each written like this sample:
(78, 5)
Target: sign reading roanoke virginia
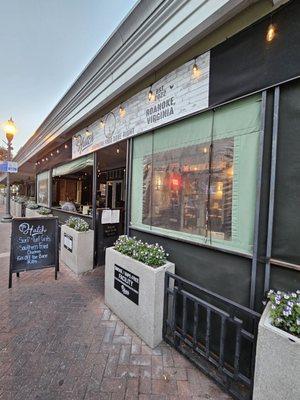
(176, 95)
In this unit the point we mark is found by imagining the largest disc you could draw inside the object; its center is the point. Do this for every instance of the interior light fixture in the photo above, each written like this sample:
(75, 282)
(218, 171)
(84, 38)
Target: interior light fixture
(118, 149)
(57, 151)
(66, 146)
(51, 154)
(46, 158)
(43, 159)
(271, 32)
(102, 123)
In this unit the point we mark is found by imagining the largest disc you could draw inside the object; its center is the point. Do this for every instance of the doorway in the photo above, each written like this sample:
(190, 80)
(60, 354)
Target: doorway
(110, 197)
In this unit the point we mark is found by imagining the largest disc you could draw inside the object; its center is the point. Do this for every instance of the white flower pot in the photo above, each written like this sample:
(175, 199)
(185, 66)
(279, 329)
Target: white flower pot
(277, 364)
(31, 213)
(135, 293)
(76, 249)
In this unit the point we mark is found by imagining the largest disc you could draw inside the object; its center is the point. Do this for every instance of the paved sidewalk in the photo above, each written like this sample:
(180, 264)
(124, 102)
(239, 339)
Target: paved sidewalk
(58, 340)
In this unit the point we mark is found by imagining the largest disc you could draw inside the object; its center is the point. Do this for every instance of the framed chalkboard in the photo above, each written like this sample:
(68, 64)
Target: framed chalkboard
(34, 245)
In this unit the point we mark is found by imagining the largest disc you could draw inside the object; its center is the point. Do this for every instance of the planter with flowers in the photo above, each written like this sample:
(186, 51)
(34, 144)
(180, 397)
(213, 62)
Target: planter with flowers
(31, 209)
(44, 212)
(134, 286)
(76, 245)
(277, 366)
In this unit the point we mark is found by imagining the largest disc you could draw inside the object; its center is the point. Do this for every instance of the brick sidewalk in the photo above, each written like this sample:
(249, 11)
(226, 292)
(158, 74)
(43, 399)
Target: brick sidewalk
(58, 340)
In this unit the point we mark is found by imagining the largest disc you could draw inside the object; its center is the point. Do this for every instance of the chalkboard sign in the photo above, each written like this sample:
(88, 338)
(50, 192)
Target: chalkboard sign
(34, 245)
(127, 283)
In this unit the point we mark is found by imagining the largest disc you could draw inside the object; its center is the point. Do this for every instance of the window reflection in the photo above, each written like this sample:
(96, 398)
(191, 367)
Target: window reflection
(184, 191)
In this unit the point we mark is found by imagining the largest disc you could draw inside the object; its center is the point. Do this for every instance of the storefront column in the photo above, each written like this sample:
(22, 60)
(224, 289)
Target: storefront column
(94, 205)
(128, 185)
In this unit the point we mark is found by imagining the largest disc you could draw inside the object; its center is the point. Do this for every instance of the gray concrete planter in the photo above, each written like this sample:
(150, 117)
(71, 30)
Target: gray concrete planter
(135, 293)
(277, 364)
(76, 249)
(31, 213)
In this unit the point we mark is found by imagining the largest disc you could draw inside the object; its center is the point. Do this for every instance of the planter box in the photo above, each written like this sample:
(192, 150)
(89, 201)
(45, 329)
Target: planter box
(277, 366)
(76, 249)
(31, 213)
(135, 293)
(18, 210)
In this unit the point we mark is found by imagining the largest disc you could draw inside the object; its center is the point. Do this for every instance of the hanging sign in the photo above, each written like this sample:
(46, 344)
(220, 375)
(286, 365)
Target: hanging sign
(176, 95)
(127, 283)
(34, 245)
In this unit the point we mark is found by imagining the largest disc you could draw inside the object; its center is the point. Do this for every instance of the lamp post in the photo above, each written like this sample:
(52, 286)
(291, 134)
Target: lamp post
(10, 129)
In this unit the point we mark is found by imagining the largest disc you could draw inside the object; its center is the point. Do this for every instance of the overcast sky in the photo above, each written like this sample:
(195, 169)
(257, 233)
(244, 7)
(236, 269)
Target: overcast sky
(44, 45)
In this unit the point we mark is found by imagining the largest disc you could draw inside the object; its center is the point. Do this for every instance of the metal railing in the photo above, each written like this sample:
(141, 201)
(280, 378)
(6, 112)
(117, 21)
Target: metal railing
(217, 334)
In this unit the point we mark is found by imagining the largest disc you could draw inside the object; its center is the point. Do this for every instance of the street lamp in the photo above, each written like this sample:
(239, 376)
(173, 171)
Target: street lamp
(10, 130)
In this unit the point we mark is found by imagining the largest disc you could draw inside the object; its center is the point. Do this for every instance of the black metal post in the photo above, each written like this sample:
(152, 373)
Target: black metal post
(272, 188)
(258, 200)
(128, 185)
(7, 217)
(94, 202)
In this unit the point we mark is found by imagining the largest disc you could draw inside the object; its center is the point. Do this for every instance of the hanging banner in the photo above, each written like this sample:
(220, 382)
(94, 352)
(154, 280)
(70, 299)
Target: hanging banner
(180, 93)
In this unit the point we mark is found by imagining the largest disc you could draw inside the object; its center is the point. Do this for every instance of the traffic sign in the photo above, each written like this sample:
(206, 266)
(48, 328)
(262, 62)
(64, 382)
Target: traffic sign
(9, 166)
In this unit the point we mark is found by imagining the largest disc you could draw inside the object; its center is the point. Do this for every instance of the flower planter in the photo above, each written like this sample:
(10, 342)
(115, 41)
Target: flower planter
(135, 293)
(18, 210)
(76, 249)
(31, 213)
(277, 367)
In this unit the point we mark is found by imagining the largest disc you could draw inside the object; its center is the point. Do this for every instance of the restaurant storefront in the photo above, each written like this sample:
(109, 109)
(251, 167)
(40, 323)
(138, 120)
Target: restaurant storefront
(202, 160)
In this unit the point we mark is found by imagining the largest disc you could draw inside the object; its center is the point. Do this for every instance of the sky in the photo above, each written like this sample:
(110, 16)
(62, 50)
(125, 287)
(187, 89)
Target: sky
(44, 46)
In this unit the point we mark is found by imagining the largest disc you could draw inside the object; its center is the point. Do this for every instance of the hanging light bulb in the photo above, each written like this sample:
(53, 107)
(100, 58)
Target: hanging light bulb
(151, 94)
(57, 151)
(196, 69)
(43, 159)
(122, 111)
(271, 32)
(66, 146)
(102, 123)
(51, 154)
(118, 149)
(205, 150)
(46, 158)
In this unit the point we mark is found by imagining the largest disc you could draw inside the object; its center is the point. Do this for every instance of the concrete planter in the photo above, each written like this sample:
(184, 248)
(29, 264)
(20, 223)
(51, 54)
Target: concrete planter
(31, 213)
(277, 366)
(135, 292)
(76, 249)
(18, 210)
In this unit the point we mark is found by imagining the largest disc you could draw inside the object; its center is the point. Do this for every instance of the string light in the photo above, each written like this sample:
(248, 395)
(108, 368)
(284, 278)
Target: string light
(151, 94)
(118, 149)
(122, 111)
(66, 146)
(271, 32)
(51, 154)
(46, 158)
(196, 69)
(57, 151)
(43, 159)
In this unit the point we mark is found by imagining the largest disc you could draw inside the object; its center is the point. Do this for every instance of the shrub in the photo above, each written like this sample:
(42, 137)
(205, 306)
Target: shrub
(149, 254)
(20, 200)
(32, 206)
(78, 224)
(44, 211)
(285, 310)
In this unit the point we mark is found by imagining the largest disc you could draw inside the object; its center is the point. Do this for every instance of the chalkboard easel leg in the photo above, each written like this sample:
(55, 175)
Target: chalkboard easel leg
(10, 280)
(56, 273)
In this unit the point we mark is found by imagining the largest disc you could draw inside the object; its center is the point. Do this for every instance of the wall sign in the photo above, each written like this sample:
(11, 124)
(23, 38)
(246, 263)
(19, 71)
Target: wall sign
(176, 95)
(34, 245)
(68, 242)
(127, 283)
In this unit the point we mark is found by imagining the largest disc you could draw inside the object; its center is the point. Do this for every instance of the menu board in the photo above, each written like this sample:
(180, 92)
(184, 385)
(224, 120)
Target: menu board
(34, 245)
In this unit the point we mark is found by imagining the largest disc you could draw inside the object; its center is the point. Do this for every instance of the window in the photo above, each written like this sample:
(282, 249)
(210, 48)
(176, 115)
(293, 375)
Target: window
(182, 191)
(182, 188)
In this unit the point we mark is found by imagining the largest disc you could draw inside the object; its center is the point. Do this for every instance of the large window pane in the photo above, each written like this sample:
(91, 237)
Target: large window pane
(184, 191)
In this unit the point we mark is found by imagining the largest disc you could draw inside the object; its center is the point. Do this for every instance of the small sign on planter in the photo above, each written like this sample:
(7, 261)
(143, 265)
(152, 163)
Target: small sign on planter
(68, 242)
(127, 283)
(34, 245)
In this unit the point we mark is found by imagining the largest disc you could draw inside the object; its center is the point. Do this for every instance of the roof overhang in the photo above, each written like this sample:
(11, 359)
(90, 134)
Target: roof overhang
(151, 33)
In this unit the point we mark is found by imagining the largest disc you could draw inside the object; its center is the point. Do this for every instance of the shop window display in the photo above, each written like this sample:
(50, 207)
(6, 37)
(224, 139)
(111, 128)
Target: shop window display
(189, 189)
